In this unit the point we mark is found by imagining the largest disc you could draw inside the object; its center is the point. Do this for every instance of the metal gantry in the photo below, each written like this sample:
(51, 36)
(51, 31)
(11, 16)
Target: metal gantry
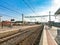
(40, 16)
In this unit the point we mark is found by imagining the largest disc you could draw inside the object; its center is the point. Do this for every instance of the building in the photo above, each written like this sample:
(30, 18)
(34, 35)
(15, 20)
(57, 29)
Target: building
(57, 13)
(17, 23)
(6, 23)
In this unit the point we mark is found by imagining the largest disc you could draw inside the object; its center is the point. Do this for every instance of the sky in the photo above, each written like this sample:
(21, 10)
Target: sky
(13, 9)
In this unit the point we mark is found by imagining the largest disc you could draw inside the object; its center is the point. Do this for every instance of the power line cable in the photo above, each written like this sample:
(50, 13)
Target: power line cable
(6, 15)
(29, 6)
(10, 5)
(9, 9)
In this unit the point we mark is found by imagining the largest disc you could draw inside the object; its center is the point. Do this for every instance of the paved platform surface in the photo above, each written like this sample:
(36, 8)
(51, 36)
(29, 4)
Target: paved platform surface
(50, 39)
(53, 31)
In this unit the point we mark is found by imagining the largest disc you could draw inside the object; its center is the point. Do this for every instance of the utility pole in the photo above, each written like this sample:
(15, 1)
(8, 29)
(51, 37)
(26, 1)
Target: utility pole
(41, 19)
(49, 16)
(22, 18)
(49, 19)
(0, 18)
(1, 23)
(35, 20)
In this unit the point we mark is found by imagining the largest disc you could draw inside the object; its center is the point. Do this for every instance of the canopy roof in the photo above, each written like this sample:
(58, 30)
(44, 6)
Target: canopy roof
(58, 11)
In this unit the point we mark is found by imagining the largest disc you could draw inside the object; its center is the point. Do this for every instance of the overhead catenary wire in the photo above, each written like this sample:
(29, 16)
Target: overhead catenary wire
(6, 15)
(37, 16)
(16, 11)
(33, 10)
(9, 9)
(10, 5)
(29, 7)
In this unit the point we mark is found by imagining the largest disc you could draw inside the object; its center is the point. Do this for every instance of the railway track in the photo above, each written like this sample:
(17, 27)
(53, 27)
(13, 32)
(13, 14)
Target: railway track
(21, 37)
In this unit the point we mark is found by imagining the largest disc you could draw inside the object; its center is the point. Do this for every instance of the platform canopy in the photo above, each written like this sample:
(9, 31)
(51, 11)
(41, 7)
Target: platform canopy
(57, 12)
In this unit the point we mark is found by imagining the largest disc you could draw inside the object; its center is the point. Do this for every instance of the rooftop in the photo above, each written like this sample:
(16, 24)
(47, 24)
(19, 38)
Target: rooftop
(58, 11)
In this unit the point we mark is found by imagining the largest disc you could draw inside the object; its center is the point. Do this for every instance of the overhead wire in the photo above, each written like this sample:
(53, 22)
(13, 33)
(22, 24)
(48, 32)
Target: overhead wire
(33, 8)
(29, 6)
(6, 15)
(8, 9)
(37, 16)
